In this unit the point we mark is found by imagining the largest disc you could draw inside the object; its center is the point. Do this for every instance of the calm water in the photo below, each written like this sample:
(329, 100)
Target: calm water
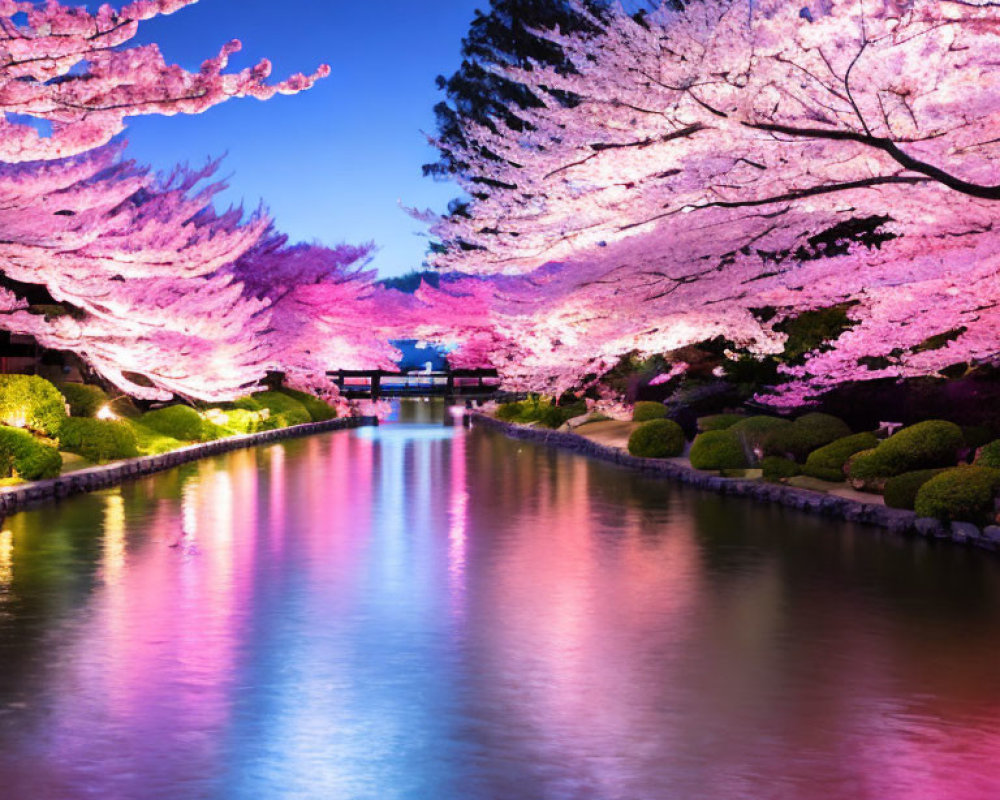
(426, 612)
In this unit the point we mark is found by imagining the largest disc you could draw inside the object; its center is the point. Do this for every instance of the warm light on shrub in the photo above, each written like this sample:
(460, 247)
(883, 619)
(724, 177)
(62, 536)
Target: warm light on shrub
(105, 413)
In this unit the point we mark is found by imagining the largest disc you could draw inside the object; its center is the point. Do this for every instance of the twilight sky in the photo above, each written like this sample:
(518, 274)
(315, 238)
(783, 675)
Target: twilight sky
(330, 163)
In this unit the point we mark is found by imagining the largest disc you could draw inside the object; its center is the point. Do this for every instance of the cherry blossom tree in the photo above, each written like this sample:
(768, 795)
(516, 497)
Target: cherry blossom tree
(708, 147)
(73, 69)
(133, 267)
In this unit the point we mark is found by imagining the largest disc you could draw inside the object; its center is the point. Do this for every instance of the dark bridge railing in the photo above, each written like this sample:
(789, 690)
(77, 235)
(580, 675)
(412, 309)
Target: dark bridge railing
(457, 383)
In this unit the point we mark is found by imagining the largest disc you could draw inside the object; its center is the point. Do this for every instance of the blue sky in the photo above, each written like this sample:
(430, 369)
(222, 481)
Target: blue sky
(331, 163)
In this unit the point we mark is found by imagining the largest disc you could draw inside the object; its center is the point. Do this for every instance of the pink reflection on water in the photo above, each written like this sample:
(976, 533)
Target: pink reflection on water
(458, 505)
(169, 618)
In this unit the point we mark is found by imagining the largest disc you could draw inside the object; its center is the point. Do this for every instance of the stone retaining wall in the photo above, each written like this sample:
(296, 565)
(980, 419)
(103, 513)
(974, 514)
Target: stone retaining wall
(17, 498)
(831, 506)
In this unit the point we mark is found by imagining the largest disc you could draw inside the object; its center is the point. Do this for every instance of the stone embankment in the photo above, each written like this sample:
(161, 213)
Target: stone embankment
(16, 498)
(831, 506)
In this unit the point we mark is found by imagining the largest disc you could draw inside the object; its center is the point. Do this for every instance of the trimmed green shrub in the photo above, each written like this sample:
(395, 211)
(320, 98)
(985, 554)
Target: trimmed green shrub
(868, 470)
(719, 422)
(84, 400)
(150, 442)
(756, 431)
(827, 463)
(964, 494)
(283, 411)
(540, 410)
(718, 450)
(645, 410)
(182, 423)
(319, 410)
(901, 491)
(804, 435)
(933, 443)
(98, 440)
(27, 401)
(236, 420)
(657, 438)
(509, 412)
(778, 469)
(989, 455)
(24, 456)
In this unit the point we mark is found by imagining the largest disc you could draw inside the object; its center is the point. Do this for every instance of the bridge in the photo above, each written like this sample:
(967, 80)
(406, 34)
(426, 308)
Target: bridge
(456, 384)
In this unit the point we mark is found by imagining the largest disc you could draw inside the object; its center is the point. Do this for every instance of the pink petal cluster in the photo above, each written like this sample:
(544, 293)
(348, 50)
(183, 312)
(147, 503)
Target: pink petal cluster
(707, 148)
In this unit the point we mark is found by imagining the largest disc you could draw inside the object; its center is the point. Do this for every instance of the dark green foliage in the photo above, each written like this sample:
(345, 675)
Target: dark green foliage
(540, 410)
(84, 399)
(989, 455)
(98, 440)
(718, 450)
(509, 412)
(180, 422)
(932, 443)
(319, 410)
(646, 410)
(755, 431)
(779, 469)
(827, 463)
(657, 438)
(901, 491)
(283, 411)
(719, 422)
(476, 94)
(868, 467)
(751, 370)
(31, 402)
(24, 456)
(810, 329)
(806, 434)
(963, 494)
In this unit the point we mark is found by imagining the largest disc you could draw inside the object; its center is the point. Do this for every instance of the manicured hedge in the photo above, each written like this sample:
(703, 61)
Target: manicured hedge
(657, 438)
(645, 410)
(319, 411)
(755, 431)
(31, 402)
(719, 422)
(963, 494)
(805, 434)
(283, 411)
(827, 463)
(238, 420)
(98, 440)
(541, 411)
(24, 456)
(84, 400)
(778, 469)
(182, 423)
(933, 443)
(718, 450)
(867, 470)
(989, 455)
(151, 442)
(901, 491)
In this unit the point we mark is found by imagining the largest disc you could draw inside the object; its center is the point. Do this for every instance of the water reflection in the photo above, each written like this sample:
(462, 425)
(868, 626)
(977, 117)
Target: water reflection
(424, 611)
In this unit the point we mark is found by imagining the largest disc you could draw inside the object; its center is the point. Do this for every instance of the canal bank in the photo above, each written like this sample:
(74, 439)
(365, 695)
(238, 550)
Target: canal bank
(103, 476)
(898, 521)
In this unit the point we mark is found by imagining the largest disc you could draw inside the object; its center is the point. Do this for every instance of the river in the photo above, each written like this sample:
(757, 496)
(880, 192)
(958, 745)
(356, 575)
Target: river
(422, 611)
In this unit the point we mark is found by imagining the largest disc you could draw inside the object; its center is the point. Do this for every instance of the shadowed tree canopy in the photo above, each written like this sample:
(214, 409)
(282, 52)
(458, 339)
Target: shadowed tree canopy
(502, 37)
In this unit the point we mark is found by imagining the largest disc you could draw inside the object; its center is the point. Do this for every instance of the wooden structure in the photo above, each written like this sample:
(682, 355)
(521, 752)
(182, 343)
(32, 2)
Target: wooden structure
(456, 384)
